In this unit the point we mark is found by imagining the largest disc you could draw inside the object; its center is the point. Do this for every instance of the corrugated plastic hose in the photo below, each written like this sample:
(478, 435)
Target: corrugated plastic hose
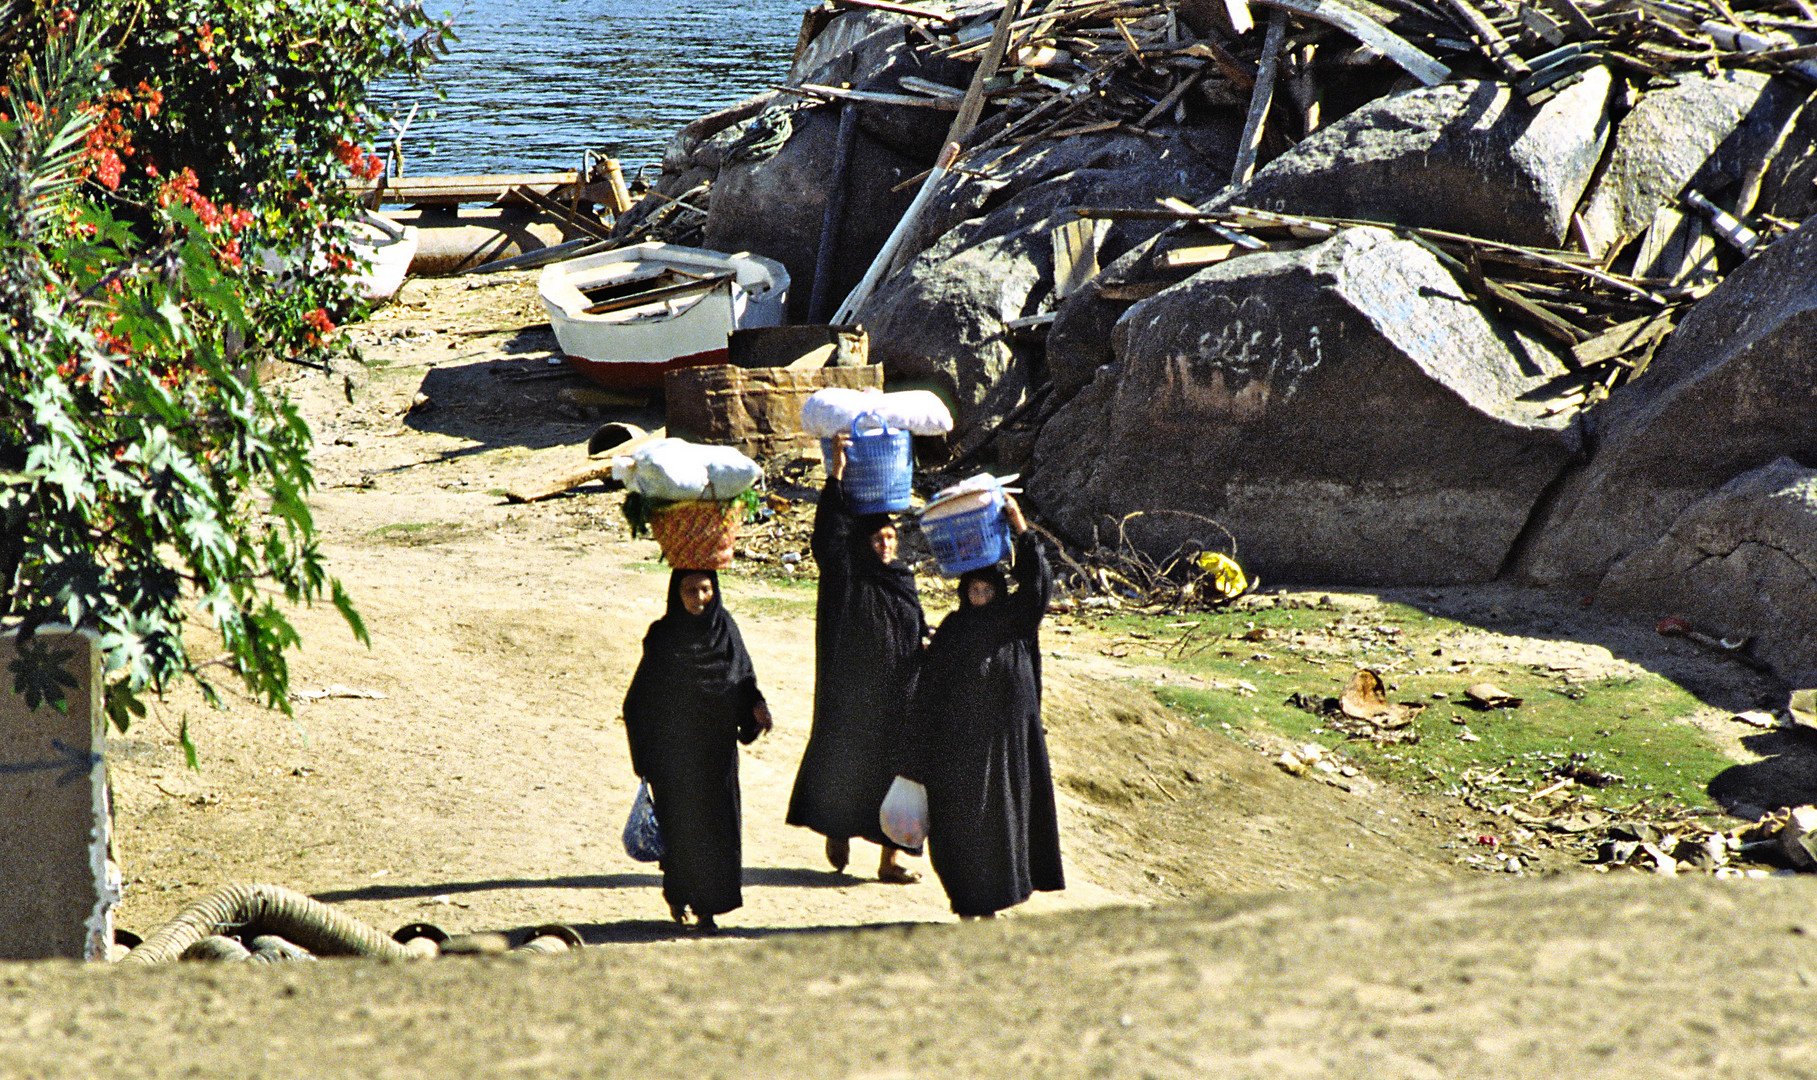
(215, 947)
(271, 949)
(314, 926)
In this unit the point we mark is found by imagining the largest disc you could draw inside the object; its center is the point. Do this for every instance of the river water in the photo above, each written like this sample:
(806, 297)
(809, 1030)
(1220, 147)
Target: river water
(530, 86)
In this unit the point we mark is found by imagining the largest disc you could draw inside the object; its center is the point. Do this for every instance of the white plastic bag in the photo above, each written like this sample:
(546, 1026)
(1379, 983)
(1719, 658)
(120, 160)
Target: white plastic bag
(903, 814)
(921, 412)
(677, 470)
(831, 410)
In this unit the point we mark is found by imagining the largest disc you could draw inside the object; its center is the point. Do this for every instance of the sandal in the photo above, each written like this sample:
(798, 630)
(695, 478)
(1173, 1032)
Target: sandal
(897, 875)
(838, 851)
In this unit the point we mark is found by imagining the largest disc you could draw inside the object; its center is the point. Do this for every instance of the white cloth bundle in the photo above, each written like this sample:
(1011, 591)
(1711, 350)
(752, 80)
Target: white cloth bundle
(830, 411)
(678, 470)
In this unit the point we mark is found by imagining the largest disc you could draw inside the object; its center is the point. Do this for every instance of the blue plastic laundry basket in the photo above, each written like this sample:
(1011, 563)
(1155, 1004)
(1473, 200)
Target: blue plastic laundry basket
(969, 540)
(879, 465)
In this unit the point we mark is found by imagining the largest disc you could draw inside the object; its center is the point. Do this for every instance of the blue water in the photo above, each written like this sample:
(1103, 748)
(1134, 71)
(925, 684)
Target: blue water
(530, 86)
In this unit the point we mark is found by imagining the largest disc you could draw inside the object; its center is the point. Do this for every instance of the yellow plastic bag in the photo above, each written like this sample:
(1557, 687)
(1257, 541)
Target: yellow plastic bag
(1227, 578)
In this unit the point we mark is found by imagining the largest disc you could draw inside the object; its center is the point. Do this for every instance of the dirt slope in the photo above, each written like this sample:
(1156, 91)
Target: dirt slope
(469, 770)
(483, 783)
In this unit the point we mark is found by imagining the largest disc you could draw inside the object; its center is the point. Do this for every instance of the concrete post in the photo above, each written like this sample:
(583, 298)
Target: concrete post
(58, 884)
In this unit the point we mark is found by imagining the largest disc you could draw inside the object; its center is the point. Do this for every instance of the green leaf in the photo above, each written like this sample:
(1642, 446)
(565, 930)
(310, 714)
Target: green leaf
(190, 757)
(344, 604)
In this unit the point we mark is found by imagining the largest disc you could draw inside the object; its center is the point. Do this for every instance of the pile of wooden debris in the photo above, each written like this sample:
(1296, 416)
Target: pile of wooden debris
(1081, 66)
(1077, 66)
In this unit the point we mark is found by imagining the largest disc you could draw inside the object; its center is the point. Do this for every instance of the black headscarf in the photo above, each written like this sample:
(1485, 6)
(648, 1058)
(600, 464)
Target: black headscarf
(894, 577)
(700, 657)
(971, 630)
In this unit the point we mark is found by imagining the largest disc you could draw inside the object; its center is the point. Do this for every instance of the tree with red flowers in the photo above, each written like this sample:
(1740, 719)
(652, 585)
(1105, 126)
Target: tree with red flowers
(146, 478)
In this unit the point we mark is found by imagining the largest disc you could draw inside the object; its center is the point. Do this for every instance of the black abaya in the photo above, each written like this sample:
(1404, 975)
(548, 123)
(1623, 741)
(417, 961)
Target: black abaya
(867, 634)
(691, 701)
(993, 837)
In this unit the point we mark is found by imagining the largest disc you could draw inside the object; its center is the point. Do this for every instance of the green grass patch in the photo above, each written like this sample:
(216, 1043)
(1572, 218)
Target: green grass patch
(787, 607)
(1632, 726)
(415, 533)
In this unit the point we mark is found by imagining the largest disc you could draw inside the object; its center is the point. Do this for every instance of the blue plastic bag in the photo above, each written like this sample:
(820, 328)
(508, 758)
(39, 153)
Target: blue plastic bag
(643, 836)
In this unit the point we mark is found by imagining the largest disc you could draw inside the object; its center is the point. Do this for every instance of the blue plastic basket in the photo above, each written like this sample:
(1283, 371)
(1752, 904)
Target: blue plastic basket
(970, 540)
(879, 466)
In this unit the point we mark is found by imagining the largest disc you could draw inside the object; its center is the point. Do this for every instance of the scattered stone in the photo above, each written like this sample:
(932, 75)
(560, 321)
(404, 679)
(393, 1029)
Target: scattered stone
(1798, 837)
(1487, 695)
(775, 207)
(1802, 708)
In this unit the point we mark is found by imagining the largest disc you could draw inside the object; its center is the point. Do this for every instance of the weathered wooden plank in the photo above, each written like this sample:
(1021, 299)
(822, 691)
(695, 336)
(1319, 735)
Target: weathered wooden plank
(876, 97)
(1370, 33)
(1494, 45)
(562, 213)
(1623, 338)
(1075, 254)
(666, 292)
(915, 10)
(1196, 255)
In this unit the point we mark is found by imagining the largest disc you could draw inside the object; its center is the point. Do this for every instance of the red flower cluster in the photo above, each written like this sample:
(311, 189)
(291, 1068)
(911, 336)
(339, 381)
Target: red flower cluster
(182, 188)
(323, 325)
(362, 165)
(108, 143)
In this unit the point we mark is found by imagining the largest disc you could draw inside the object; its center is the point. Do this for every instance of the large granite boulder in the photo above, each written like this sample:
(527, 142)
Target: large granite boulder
(940, 320)
(1470, 157)
(849, 48)
(939, 323)
(1345, 410)
(678, 156)
(916, 130)
(776, 206)
(1079, 339)
(1734, 388)
(1740, 563)
(1703, 128)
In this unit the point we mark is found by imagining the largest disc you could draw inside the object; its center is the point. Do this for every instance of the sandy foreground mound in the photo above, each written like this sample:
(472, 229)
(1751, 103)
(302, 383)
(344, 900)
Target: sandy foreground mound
(1587, 976)
(469, 771)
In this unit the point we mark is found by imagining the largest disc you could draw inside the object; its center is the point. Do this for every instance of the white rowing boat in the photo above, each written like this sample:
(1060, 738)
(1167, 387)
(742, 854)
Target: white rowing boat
(628, 316)
(383, 250)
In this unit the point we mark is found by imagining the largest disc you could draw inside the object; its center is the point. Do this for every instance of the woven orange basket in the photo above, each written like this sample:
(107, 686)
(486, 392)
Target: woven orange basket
(697, 535)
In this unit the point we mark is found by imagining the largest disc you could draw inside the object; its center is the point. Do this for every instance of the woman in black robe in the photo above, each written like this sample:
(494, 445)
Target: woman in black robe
(993, 837)
(868, 631)
(693, 699)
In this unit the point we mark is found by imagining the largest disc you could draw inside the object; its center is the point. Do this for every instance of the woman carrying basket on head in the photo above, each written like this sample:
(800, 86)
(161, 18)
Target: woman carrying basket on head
(693, 699)
(868, 633)
(992, 832)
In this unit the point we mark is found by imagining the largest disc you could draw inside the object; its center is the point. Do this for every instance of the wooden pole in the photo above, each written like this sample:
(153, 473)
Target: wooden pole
(969, 110)
(1260, 99)
(821, 296)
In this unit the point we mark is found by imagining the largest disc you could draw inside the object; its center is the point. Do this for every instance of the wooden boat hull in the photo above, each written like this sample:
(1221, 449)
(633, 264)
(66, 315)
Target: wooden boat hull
(626, 317)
